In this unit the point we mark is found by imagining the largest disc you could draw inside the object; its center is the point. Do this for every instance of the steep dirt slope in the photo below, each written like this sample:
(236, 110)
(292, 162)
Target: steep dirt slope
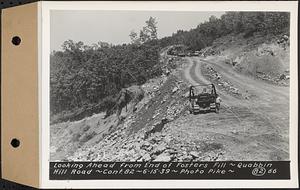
(260, 56)
(67, 137)
(71, 140)
(253, 123)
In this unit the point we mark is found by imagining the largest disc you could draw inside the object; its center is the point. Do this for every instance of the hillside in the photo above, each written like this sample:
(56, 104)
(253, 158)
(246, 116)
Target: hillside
(160, 128)
(131, 102)
(85, 79)
(260, 56)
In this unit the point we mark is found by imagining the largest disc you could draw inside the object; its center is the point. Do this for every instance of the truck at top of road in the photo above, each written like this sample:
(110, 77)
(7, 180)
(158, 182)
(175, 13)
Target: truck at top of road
(177, 50)
(204, 98)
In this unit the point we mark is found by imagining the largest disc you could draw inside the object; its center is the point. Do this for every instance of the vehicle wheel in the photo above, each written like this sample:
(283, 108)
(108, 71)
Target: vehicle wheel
(217, 108)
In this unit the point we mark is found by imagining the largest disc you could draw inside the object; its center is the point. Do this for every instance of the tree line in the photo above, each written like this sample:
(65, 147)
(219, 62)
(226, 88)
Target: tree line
(80, 77)
(247, 23)
(84, 76)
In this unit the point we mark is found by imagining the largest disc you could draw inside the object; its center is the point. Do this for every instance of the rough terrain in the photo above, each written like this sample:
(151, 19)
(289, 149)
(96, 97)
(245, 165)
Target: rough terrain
(253, 122)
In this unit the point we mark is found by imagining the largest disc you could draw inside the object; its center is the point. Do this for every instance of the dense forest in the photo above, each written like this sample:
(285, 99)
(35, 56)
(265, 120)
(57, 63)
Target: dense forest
(90, 76)
(85, 76)
(248, 23)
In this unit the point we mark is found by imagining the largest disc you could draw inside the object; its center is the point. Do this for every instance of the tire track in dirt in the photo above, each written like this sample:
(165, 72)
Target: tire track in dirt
(272, 103)
(258, 127)
(261, 88)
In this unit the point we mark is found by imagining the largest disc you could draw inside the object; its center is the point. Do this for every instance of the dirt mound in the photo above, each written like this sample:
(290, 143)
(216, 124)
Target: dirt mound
(67, 137)
(263, 57)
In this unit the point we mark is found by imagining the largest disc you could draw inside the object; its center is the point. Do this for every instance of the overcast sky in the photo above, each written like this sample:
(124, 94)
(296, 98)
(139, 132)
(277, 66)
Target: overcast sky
(115, 26)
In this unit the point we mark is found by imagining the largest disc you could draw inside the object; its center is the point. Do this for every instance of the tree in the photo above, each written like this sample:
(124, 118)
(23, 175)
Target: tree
(151, 28)
(144, 36)
(83, 76)
(134, 37)
(148, 32)
(70, 45)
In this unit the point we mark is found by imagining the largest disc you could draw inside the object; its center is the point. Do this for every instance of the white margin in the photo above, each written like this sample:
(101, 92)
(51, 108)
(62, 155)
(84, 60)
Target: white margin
(290, 6)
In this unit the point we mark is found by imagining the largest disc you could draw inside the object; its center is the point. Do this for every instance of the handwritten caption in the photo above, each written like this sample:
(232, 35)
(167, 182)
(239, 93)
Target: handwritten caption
(172, 170)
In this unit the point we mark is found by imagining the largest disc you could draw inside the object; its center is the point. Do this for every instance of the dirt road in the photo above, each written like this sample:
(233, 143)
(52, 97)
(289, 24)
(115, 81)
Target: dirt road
(252, 128)
(252, 124)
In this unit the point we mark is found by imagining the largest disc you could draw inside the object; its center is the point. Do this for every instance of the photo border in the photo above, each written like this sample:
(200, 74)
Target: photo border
(44, 17)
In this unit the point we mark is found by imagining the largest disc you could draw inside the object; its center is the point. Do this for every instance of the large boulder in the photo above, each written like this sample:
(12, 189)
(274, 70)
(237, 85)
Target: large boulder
(164, 157)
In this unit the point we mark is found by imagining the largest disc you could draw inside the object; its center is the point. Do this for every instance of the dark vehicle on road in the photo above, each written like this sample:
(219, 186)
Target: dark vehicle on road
(204, 98)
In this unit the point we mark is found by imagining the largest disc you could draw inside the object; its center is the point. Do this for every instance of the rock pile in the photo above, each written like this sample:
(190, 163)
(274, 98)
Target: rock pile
(284, 41)
(154, 143)
(217, 78)
(279, 79)
(209, 51)
(151, 143)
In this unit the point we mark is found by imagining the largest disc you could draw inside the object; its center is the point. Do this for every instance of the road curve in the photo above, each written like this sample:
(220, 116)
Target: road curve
(264, 118)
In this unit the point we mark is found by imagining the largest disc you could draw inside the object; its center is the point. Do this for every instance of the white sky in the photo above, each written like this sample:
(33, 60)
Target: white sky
(114, 26)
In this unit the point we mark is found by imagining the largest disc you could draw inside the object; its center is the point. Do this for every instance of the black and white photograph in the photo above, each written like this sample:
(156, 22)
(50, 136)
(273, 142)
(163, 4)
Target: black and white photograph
(169, 86)
(170, 92)
(150, 94)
